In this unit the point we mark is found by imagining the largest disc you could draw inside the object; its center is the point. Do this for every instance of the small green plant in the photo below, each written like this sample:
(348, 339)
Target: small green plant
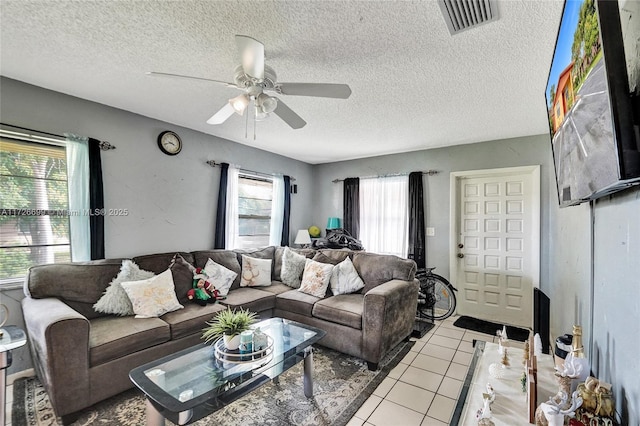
(228, 323)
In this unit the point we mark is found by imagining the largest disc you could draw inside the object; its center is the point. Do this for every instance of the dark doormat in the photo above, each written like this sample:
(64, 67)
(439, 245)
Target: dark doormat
(488, 327)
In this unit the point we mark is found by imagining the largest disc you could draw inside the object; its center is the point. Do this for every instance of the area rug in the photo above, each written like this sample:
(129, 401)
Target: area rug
(341, 385)
(488, 327)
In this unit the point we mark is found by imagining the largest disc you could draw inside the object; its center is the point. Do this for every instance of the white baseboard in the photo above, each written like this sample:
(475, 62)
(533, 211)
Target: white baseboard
(19, 375)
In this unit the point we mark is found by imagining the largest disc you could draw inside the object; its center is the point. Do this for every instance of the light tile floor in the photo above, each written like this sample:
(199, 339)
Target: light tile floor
(422, 390)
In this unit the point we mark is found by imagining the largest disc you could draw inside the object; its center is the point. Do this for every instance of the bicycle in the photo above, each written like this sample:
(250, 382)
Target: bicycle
(436, 297)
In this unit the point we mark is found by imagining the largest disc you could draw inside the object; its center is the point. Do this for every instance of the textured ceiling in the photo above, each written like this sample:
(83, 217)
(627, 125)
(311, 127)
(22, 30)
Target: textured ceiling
(414, 85)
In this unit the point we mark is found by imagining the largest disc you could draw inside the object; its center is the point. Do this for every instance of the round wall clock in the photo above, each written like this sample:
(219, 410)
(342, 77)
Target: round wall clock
(169, 142)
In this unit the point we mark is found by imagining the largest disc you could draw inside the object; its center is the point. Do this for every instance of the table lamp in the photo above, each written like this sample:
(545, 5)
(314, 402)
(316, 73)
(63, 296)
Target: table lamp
(333, 223)
(302, 238)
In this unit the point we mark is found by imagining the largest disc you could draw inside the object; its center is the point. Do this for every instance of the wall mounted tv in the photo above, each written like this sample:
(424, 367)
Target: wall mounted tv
(593, 115)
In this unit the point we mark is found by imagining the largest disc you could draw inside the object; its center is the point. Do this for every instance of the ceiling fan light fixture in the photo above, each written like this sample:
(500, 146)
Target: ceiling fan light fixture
(239, 103)
(267, 103)
(260, 115)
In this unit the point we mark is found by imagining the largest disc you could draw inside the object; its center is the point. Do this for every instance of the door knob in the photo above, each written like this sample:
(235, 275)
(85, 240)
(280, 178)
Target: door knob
(460, 245)
(460, 255)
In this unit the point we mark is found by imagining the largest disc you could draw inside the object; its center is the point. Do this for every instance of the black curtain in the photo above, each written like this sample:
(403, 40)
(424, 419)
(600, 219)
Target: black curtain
(221, 212)
(96, 200)
(287, 212)
(417, 249)
(351, 206)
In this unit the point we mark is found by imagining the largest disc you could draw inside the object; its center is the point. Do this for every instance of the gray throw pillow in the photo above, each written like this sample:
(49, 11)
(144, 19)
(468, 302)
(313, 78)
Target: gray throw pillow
(115, 300)
(292, 268)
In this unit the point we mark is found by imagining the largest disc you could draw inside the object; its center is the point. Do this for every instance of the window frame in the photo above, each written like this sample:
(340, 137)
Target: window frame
(243, 239)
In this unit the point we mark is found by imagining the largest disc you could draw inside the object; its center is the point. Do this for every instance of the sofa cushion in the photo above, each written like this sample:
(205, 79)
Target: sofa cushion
(160, 262)
(153, 297)
(182, 272)
(276, 287)
(226, 258)
(297, 302)
(315, 279)
(69, 283)
(250, 298)
(191, 319)
(345, 309)
(376, 269)
(277, 259)
(115, 300)
(265, 253)
(345, 278)
(220, 276)
(114, 337)
(292, 268)
(337, 255)
(255, 272)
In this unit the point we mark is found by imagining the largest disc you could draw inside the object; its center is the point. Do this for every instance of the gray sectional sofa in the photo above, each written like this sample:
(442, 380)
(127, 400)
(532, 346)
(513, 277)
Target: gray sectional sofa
(83, 357)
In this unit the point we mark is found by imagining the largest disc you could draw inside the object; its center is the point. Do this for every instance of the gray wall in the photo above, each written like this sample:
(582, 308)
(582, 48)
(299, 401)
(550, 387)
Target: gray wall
(523, 151)
(171, 200)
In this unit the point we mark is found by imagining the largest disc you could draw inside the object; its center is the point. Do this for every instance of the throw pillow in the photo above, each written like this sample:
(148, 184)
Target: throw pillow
(219, 276)
(345, 278)
(182, 272)
(255, 272)
(292, 267)
(153, 297)
(315, 278)
(115, 300)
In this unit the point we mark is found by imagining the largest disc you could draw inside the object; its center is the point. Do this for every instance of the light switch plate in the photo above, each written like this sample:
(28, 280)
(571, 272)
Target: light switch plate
(431, 232)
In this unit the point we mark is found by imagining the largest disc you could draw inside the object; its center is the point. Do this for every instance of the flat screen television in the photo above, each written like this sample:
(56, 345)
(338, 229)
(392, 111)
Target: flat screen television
(593, 116)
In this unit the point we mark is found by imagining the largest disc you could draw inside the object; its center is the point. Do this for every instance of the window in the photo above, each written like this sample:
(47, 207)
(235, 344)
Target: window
(255, 195)
(34, 224)
(384, 215)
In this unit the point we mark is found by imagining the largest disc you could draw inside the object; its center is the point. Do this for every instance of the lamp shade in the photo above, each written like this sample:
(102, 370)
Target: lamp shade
(333, 223)
(302, 237)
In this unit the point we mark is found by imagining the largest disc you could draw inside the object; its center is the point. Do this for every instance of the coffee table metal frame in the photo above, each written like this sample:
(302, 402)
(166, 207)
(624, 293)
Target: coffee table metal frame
(191, 384)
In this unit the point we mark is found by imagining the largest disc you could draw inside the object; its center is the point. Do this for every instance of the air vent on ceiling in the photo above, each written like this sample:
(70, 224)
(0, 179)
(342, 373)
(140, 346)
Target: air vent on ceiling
(461, 15)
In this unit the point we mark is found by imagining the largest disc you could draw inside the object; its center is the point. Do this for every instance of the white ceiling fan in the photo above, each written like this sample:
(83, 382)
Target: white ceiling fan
(255, 78)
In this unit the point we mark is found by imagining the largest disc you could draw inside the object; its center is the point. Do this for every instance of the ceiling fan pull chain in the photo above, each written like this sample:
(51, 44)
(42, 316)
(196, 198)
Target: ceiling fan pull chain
(246, 125)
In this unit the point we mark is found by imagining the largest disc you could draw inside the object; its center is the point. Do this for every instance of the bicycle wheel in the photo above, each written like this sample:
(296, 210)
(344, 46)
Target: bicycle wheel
(439, 299)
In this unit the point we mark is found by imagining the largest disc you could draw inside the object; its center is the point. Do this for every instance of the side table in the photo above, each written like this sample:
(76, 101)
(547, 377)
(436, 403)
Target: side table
(12, 338)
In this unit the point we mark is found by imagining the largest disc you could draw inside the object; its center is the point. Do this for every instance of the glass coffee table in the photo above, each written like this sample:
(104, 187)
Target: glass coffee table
(193, 383)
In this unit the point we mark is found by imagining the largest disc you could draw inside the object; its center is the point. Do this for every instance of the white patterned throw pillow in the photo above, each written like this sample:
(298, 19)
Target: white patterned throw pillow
(115, 300)
(315, 278)
(345, 278)
(153, 297)
(219, 276)
(255, 272)
(292, 267)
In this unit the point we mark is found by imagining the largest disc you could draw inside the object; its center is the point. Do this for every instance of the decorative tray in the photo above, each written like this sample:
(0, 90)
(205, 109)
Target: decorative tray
(236, 357)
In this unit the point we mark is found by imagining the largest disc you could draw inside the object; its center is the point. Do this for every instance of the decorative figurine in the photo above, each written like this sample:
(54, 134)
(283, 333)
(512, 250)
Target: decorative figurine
(552, 413)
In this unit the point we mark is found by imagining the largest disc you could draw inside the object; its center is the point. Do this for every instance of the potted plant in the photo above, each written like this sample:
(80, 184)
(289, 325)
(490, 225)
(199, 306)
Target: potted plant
(229, 324)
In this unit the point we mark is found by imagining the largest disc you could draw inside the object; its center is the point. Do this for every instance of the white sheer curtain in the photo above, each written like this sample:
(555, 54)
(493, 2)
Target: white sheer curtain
(77, 148)
(384, 215)
(277, 211)
(231, 234)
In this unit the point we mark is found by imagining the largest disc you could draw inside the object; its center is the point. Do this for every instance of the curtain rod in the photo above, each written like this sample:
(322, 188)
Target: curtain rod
(428, 172)
(104, 145)
(214, 163)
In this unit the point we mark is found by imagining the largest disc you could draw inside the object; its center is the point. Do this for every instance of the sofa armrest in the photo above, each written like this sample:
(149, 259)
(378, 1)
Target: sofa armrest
(388, 317)
(59, 340)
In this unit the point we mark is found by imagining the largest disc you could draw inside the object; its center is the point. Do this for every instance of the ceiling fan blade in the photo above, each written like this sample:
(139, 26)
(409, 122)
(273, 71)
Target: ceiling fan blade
(322, 90)
(221, 116)
(166, 74)
(288, 116)
(252, 54)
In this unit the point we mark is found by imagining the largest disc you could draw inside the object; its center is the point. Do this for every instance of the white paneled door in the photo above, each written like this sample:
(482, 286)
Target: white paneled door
(496, 243)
